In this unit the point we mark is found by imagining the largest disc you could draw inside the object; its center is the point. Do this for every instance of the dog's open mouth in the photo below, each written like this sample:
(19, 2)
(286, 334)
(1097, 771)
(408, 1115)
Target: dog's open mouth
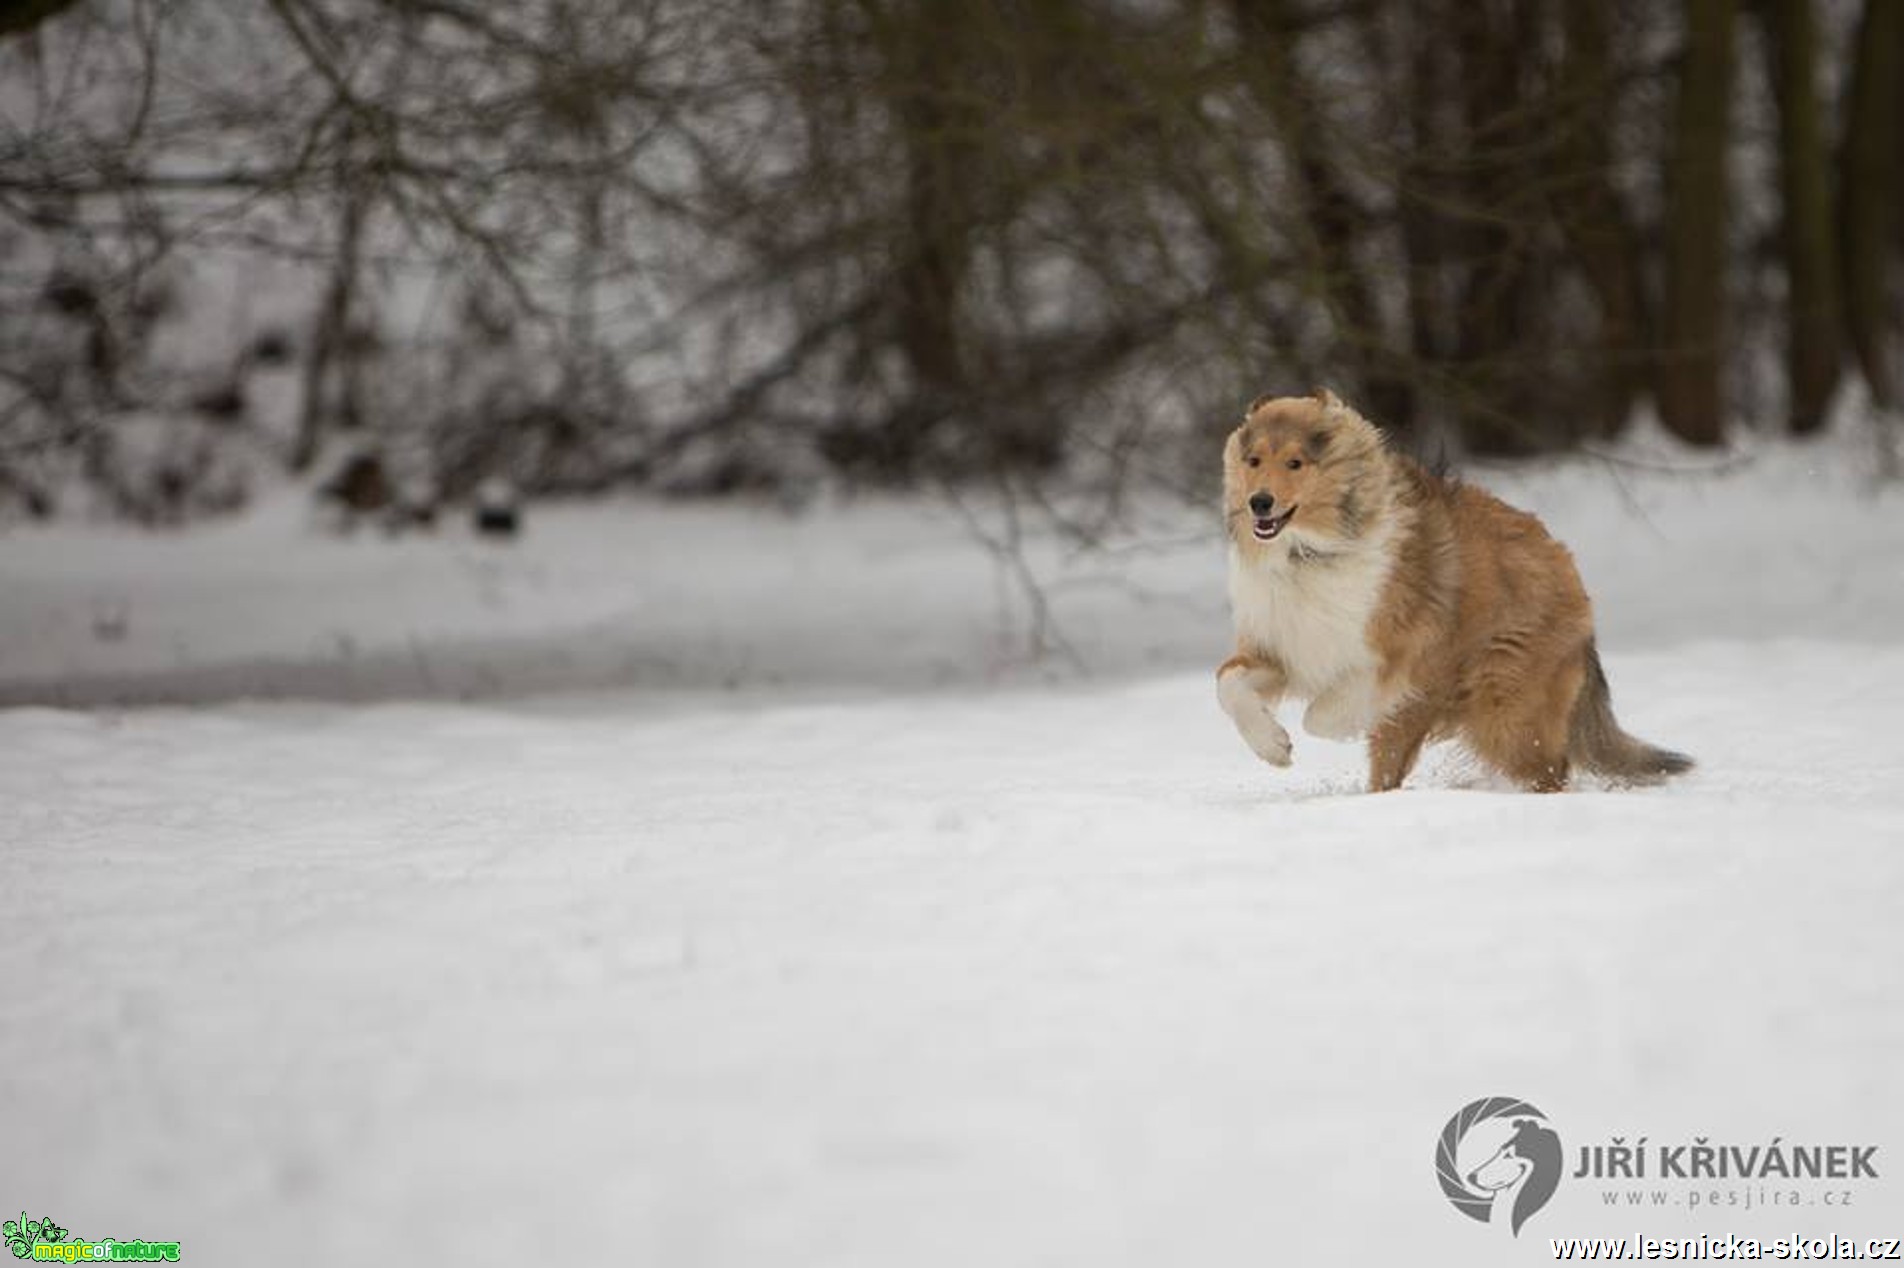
(1267, 526)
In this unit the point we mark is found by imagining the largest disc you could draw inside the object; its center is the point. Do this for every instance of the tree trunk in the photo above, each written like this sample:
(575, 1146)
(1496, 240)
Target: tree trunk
(1594, 218)
(940, 134)
(1331, 225)
(329, 341)
(1868, 209)
(1815, 345)
(1691, 394)
(1424, 195)
(1497, 238)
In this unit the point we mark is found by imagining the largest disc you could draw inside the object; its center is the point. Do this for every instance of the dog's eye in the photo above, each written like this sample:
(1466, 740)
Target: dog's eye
(1294, 464)
(1254, 461)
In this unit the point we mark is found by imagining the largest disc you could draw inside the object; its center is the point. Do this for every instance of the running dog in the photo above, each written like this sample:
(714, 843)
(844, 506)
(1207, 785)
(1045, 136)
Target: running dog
(1407, 607)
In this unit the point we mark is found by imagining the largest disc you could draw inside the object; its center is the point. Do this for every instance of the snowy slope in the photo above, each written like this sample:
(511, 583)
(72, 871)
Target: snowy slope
(872, 596)
(1021, 973)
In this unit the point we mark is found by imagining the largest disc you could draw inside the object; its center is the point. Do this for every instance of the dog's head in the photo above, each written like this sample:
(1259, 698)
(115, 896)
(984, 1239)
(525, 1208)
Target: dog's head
(1531, 1155)
(1300, 468)
(1504, 1170)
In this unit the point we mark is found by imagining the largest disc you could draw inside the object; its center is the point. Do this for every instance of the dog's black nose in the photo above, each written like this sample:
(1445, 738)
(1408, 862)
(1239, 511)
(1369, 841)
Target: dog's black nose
(1260, 504)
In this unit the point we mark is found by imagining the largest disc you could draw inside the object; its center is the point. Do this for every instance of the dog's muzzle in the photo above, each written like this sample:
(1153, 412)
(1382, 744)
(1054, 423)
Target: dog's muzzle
(1266, 527)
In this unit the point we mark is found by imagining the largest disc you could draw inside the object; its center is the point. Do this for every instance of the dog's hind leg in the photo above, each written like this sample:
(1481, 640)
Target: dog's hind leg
(1396, 742)
(1524, 734)
(1248, 688)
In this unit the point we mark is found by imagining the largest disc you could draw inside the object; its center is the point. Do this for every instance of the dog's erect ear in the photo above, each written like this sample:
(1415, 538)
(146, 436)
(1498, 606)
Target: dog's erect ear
(1328, 399)
(1258, 403)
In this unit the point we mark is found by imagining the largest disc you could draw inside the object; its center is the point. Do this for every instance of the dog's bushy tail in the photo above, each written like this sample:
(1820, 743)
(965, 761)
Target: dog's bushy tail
(1596, 741)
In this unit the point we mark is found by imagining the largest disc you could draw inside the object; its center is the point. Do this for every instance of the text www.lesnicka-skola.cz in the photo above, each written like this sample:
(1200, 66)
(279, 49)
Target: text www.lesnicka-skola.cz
(1790, 1249)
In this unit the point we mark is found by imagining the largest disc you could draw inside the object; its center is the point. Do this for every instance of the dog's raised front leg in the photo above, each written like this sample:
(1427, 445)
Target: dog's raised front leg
(1248, 688)
(1349, 707)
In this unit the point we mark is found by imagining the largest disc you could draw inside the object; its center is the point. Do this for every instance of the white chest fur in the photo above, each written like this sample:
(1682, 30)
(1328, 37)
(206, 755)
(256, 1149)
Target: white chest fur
(1311, 616)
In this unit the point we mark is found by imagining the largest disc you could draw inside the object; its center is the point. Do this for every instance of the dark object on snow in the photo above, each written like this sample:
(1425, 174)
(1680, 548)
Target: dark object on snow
(222, 403)
(497, 521)
(413, 515)
(360, 485)
(70, 295)
(17, 490)
(414, 507)
(271, 347)
(111, 621)
(498, 509)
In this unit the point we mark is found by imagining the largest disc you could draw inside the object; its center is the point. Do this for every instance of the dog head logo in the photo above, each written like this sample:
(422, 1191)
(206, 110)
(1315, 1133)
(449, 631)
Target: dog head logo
(1498, 1154)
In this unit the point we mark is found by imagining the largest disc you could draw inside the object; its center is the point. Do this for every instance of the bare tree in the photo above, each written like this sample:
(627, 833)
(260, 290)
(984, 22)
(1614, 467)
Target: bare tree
(1872, 188)
(591, 242)
(1693, 329)
(1814, 343)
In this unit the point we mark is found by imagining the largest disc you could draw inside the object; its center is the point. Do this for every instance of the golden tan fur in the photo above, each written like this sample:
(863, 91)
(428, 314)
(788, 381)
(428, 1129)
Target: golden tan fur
(1406, 607)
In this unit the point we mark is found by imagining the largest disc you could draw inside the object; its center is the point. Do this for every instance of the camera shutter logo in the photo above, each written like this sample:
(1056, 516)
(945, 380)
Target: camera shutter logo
(1517, 1178)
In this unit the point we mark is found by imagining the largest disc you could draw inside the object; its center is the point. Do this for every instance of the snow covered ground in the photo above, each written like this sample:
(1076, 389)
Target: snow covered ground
(688, 886)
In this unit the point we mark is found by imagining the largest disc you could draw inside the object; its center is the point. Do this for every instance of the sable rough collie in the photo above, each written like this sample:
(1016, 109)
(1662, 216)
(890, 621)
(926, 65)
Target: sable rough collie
(1406, 607)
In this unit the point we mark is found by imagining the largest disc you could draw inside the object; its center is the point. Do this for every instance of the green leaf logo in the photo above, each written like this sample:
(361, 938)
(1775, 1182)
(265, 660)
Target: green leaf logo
(23, 1234)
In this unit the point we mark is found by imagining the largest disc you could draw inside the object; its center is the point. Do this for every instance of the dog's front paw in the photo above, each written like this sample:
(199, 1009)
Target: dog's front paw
(1254, 714)
(1328, 723)
(1344, 712)
(1264, 734)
